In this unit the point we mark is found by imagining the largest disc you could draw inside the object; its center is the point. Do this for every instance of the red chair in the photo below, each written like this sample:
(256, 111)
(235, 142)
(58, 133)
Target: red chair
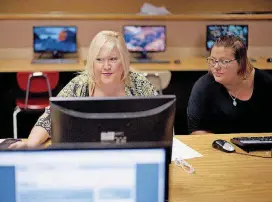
(36, 82)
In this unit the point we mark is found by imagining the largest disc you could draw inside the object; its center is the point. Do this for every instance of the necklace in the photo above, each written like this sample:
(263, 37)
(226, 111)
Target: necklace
(234, 99)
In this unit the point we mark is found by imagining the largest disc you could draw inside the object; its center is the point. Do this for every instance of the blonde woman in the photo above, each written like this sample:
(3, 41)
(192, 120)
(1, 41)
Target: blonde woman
(106, 74)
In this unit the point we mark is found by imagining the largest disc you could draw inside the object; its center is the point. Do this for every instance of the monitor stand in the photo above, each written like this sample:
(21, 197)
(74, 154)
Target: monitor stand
(144, 58)
(51, 55)
(57, 55)
(54, 57)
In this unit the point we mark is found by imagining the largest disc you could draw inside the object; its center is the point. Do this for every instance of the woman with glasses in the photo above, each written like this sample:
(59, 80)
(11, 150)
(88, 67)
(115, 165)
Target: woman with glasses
(233, 97)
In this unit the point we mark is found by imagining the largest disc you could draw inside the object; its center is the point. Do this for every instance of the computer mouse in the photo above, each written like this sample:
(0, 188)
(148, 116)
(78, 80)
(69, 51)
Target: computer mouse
(269, 60)
(223, 145)
(177, 61)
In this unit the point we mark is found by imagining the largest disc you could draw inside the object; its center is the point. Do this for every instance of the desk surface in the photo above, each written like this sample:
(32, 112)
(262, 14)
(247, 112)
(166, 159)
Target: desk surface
(221, 176)
(187, 64)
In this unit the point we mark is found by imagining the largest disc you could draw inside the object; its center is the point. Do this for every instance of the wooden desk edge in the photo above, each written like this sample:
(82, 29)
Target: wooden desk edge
(180, 137)
(187, 64)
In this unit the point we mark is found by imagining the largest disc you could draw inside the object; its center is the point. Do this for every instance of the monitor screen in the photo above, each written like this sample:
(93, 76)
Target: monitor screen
(93, 175)
(55, 39)
(215, 31)
(145, 38)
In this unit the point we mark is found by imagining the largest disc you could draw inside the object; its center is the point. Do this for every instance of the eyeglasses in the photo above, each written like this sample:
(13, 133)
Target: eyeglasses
(222, 63)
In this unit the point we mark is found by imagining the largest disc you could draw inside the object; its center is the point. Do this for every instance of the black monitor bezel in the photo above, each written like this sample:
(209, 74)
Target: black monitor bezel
(73, 99)
(37, 26)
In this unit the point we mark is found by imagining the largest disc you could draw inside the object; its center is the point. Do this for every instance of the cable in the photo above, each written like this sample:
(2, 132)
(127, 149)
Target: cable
(267, 157)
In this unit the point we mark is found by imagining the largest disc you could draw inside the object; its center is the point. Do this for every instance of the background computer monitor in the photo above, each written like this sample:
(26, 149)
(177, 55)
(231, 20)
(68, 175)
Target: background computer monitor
(121, 174)
(55, 39)
(113, 119)
(144, 39)
(215, 31)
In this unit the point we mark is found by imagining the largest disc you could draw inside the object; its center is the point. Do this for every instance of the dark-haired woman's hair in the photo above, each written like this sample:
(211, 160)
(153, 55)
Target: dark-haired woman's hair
(240, 52)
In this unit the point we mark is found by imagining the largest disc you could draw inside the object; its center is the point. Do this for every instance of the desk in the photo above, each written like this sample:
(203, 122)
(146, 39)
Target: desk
(187, 64)
(221, 176)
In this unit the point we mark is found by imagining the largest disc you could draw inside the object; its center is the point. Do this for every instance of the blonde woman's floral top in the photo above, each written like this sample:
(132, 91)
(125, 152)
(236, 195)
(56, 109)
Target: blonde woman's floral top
(79, 87)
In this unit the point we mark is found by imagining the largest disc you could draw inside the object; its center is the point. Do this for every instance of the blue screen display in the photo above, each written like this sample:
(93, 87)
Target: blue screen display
(55, 38)
(216, 31)
(136, 175)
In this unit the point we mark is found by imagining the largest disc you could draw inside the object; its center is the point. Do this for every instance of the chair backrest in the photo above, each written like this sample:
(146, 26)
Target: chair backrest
(159, 79)
(38, 83)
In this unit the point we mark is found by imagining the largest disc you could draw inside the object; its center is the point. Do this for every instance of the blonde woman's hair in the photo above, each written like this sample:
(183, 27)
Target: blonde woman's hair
(108, 40)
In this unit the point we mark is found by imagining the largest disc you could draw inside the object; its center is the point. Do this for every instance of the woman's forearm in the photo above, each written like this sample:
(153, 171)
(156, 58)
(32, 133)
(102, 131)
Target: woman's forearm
(38, 136)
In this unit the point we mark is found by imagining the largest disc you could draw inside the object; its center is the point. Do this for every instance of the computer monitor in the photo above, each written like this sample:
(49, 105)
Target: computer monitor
(84, 174)
(216, 31)
(112, 119)
(55, 39)
(143, 39)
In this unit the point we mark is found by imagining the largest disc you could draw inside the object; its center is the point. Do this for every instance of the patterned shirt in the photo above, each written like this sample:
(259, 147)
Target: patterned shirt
(79, 87)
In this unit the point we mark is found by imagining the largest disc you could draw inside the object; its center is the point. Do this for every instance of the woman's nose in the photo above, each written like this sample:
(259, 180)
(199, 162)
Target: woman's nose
(217, 66)
(106, 64)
